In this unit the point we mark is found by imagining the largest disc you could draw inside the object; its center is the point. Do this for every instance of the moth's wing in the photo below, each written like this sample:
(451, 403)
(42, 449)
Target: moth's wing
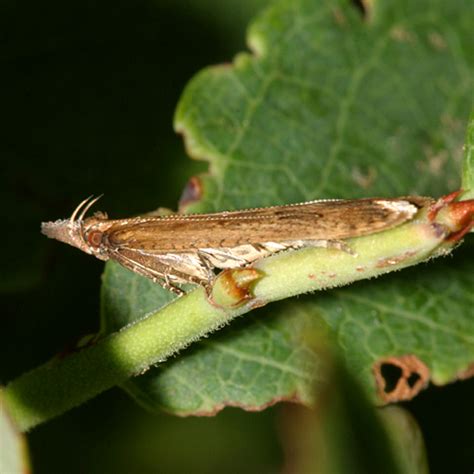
(318, 220)
(195, 266)
(234, 257)
(241, 255)
(180, 268)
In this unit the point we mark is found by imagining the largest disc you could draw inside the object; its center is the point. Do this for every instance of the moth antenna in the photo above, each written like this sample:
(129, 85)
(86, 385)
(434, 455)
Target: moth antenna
(87, 207)
(72, 219)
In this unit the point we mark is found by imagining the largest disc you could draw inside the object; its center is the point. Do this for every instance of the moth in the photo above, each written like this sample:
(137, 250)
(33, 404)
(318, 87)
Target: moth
(177, 249)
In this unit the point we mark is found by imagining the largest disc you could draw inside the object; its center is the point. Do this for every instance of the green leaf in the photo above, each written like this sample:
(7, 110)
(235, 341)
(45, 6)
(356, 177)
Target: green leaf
(331, 104)
(13, 450)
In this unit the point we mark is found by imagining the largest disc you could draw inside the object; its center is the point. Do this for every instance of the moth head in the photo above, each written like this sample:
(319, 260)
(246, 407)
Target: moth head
(85, 234)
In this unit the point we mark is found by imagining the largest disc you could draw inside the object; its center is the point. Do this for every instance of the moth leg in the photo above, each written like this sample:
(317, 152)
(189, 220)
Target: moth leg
(168, 272)
(229, 257)
(157, 277)
(163, 281)
(167, 285)
(208, 290)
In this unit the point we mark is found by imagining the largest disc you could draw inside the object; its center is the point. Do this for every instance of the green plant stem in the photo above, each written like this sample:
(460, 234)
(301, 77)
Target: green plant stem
(468, 162)
(63, 383)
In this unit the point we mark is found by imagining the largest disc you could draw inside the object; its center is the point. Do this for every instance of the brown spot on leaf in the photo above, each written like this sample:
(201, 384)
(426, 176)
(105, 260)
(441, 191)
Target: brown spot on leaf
(192, 192)
(435, 161)
(400, 378)
(339, 17)
(402, 35)
(466, 373)
(453, 126)
(364, 179)
(437, 41)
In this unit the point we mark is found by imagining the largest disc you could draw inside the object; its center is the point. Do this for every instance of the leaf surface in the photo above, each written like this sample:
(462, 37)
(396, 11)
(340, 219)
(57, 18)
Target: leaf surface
(330, 104)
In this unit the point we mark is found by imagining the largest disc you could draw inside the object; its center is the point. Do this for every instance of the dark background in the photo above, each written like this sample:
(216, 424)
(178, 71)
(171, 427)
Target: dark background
(88, 91)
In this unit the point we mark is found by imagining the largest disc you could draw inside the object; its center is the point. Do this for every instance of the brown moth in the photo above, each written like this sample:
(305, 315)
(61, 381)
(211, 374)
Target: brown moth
(178, 249)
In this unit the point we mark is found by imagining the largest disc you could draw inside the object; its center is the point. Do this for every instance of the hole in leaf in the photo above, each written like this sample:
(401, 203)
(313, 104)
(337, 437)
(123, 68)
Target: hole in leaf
(391, 374)
(412, 379)
(400, 377)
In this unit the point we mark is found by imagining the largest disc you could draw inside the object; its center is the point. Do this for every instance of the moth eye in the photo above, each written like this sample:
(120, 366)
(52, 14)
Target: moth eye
(94, 238)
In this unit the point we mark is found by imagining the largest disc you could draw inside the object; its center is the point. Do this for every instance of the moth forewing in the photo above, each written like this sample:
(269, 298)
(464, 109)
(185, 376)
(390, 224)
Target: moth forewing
(315, 220)
(188, 248)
